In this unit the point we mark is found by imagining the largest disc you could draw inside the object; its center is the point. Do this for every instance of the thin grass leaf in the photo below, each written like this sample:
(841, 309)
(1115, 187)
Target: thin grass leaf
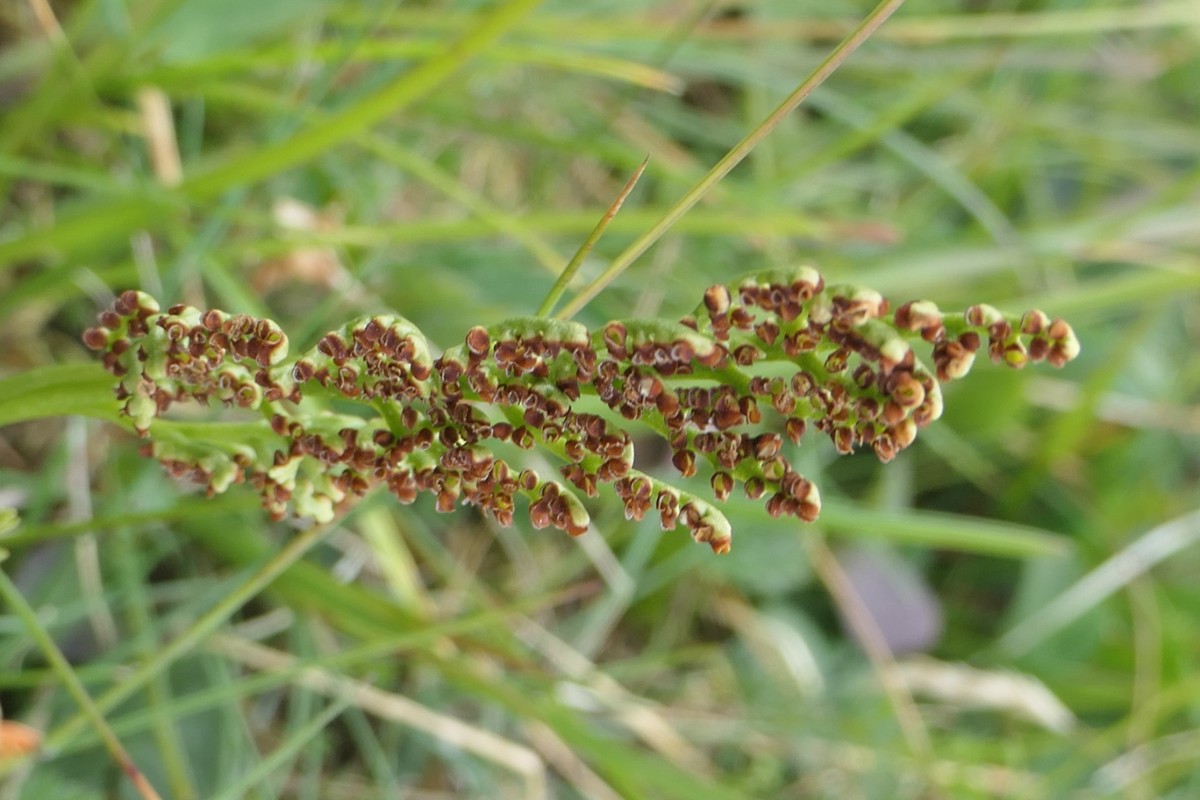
(731, 159)
(58, 390)
(1115, 573)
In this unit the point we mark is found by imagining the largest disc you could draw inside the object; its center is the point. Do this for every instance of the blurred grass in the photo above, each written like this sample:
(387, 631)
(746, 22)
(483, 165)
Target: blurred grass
(443, 160)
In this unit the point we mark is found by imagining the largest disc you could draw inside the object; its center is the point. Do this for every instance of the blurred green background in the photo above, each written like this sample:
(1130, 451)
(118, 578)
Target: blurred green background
(1007, 610)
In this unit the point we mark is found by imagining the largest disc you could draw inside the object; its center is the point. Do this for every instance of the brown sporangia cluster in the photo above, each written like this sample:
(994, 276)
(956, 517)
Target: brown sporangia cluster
(752, 370)
(206, 355)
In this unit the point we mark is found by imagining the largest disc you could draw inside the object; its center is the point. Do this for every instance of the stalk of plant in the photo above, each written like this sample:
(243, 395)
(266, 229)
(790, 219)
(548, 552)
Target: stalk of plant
(870, 23)
(759, 365)
(58, 663)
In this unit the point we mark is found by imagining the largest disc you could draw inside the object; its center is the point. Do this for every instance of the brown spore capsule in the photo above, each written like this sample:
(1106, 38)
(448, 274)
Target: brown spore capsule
(127, 302)
(716, 300)
(333, 347)
(1059, 329)
(884, 447)
(741, 319)
(477, 341)
(615, 336)
(726, 414)
(745, 355)
(685, 462)
(906, 390)
(976, 316)
(1059, 355)
(722, 485)
(96, 338)
(777, 505)
(522, 438)
(713, 359)
(766, 446)
(837, 360)
(767, 331)
(748, 406)
(755, 488)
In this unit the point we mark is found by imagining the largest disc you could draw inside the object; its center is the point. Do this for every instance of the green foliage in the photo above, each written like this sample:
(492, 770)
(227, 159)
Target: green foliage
(324, 162)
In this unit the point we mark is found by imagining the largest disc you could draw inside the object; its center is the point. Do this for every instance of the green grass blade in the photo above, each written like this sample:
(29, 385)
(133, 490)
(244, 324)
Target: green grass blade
(734, 157)
(942, 531)
(286, 750)
(111, 221)
(57, 390)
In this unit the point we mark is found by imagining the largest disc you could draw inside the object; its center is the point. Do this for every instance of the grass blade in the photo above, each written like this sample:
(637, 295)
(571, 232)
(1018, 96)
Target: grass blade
(734, 157)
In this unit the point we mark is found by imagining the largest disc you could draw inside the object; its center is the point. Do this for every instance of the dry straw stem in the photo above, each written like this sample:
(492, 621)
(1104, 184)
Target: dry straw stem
(394, 707)
(183, 644)
(158, 128)
(635, 714)
(46, 20)
(62, 668)
(961, 686)
(568, 764)
(86, 547)
(734, 157)
(867, 631)
(1120, 775)
(1116, 573)
(772, 642)
(569, 271)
